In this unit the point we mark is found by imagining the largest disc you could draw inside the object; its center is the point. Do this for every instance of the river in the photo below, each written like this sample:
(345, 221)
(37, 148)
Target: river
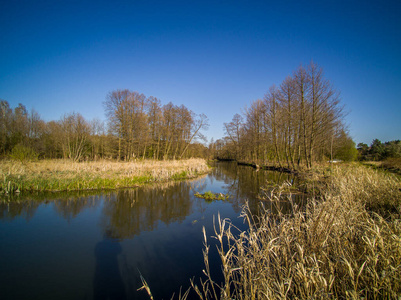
(95, 245)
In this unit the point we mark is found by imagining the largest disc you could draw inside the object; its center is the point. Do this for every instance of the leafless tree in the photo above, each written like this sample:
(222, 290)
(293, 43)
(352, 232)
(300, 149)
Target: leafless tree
(233, 130)
(292, 122)
(75, 133)
(200, 123)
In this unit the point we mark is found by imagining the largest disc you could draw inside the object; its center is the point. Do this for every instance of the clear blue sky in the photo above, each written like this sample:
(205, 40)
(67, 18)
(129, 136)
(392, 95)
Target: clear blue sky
(215, 57)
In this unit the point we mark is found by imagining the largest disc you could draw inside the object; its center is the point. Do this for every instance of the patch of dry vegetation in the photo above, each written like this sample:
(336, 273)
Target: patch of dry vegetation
(345, 244)
(62, 175)
(392, 164)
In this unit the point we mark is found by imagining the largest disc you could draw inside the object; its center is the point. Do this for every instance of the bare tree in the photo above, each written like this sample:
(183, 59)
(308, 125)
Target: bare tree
(200, 123)
(97, 138)
(75, 132)
(289, 107)
(272, 111)
(155, 125)
(292, 123)
(233, 131)
(5, 126)
(301, 80)
(116, 114)
(325, 110)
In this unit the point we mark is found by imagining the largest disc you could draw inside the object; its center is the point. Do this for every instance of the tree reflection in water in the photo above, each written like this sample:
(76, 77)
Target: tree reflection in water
(244, 183)
(127, 213)
(67, 204)
(154, 229)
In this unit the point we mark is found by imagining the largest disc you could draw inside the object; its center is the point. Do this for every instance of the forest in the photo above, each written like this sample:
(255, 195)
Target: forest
(378, 151)
(137, 127)
(299, 122)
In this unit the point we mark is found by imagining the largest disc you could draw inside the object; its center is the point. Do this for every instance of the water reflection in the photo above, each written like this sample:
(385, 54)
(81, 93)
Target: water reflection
(108, 283)
(12, 210)
(127, 213)
(71, 208)
(95, 243)
(67, 204)
(244, 184)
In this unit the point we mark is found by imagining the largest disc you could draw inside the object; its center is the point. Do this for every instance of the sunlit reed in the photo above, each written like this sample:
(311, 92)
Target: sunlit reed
(345, 244)
(63, 175)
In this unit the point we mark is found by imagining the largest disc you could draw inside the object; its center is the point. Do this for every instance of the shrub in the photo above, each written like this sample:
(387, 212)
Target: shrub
(23, 153)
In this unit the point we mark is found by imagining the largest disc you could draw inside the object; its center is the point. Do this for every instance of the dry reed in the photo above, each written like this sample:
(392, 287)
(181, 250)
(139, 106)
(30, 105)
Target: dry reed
(392, 164)
(346, 244)
(59, 175)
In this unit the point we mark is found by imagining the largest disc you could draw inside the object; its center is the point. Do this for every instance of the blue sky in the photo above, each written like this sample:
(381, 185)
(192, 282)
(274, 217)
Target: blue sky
(215, 57)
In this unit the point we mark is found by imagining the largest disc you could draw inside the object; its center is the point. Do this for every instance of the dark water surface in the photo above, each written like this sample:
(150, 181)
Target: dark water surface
(95, 246)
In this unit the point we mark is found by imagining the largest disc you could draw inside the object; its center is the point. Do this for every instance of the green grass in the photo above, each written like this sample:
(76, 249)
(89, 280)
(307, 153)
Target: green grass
(209, 196)
(180, 176)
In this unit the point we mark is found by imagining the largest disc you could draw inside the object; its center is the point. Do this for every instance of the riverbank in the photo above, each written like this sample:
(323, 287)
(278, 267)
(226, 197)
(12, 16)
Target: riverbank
(267, 167)
(392, 165)
(65, 175)
(346, 243)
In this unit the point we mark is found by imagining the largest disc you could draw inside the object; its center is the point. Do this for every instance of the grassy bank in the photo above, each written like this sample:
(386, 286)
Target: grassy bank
(392, 165)
(345, 244)
(63, 175)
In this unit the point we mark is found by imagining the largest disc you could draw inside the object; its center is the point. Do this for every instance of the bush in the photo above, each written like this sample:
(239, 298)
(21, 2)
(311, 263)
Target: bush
(347, 152)
(23, 153)
(393, 164)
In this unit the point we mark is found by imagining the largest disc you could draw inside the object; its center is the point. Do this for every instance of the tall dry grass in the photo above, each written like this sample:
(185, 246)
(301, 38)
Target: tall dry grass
(58, 175)
(393, 165)
(346, 244)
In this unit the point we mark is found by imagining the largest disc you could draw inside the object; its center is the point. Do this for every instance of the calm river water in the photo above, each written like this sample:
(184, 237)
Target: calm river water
(95, 246)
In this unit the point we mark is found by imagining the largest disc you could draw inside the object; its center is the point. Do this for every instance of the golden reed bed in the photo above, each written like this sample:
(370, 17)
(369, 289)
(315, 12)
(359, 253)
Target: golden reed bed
(57, 175)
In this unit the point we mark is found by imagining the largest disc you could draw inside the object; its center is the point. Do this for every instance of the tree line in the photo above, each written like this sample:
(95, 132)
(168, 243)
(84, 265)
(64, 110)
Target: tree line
(379, 151)
(136, 127)
(299, 122)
